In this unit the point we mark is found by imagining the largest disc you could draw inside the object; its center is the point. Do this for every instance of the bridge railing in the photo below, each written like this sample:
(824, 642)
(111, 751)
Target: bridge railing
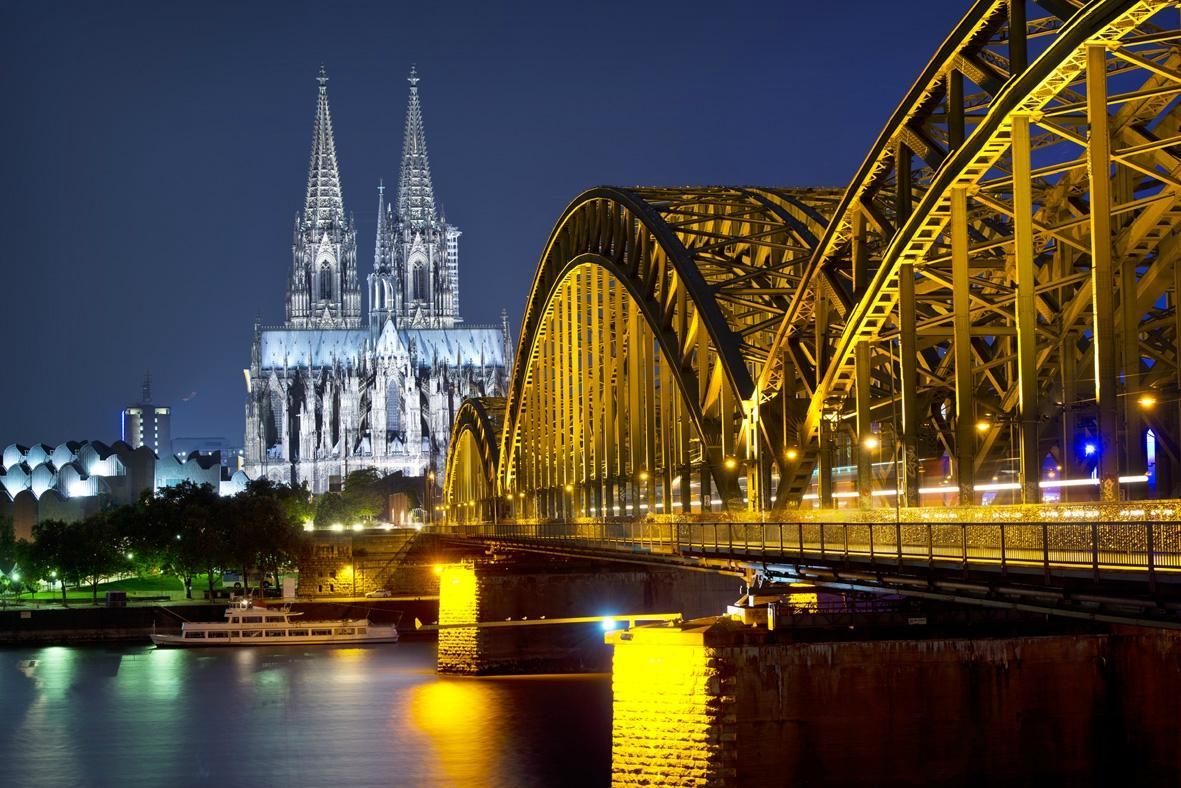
(1138, 547)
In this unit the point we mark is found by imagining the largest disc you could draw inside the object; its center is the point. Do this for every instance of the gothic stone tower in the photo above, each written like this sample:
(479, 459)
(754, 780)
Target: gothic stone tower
(416, 267)
(326, 395)
(323, 291)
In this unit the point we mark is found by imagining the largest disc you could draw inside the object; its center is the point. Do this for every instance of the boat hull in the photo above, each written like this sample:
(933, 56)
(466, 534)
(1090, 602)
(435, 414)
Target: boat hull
(177, 641)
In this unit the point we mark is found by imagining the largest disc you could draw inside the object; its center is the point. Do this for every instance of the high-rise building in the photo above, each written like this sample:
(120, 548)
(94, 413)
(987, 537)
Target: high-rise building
(148, 424)
(327, 395)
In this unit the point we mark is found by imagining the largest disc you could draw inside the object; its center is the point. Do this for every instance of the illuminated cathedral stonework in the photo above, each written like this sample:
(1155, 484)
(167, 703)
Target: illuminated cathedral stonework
(329, 394)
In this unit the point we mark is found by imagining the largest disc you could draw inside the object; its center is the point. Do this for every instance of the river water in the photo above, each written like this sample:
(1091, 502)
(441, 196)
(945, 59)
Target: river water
(293, 716)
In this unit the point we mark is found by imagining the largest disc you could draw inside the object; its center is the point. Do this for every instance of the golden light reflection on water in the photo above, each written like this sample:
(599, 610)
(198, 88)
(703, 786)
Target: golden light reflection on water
(459, 718)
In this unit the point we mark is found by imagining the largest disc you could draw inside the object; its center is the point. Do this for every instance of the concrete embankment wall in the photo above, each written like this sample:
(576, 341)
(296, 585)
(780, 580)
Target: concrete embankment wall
(488, 591)
(732, 707)
(135, 624)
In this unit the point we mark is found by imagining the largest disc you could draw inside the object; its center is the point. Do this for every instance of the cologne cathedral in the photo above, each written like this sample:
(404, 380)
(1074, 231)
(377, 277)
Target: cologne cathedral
(330, 393)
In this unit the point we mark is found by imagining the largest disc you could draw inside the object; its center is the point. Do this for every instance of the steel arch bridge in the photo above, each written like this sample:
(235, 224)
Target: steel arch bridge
(987, 314)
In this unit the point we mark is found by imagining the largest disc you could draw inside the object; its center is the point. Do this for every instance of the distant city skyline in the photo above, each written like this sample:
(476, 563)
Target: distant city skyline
(161, 156)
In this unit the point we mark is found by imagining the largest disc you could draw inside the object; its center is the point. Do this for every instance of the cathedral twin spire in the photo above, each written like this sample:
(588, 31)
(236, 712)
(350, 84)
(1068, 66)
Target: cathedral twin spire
(325, 203)
(416, 260)
(416, 194)
(323, 291)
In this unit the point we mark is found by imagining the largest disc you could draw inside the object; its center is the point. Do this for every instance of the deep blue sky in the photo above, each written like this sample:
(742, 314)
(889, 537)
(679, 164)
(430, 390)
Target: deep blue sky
(156, 154)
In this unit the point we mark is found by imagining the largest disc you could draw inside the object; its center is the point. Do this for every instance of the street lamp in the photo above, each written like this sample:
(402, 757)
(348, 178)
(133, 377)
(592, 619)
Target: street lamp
(792, 455)
(429, 496)
(1146, 401)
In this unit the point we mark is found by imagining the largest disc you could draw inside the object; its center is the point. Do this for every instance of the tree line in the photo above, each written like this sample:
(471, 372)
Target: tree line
(184, 531)
(189, 530)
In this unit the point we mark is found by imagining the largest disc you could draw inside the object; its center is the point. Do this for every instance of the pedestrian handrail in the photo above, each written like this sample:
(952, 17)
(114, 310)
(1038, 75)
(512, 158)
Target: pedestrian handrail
(1148, 547)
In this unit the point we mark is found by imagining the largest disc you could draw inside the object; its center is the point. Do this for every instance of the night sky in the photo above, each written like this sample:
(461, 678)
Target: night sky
(156, 154)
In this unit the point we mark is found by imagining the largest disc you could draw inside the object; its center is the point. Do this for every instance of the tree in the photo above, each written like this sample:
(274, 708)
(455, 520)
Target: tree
(29, 566)
(266, 527)
(7, 544)
(364, 494)
(190, 522)
(56, 549)
(104, 550)
(331, 509)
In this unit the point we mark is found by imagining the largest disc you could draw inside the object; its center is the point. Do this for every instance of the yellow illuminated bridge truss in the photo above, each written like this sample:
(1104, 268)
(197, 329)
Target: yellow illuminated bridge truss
(986, 315)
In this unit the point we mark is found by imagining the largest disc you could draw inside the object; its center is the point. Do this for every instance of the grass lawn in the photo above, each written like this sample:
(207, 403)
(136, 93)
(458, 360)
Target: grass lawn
(154, 585)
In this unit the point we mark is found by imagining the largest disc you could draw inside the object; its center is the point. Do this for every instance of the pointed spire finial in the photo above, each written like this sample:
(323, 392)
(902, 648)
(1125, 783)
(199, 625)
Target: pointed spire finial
(323, 204)
(381, 187)
(416, 195)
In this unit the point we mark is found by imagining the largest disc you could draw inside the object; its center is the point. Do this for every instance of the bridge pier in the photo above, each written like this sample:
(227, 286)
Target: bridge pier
(714, 702)
(535, 587)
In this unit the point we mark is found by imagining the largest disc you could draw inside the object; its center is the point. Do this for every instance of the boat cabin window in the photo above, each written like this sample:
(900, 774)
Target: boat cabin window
(297, 633)
(219, 634)
(321, 632)
(345, 631)
(252, 619)
(276, 633)
(360, 630)
(252, 633)
(193, 635)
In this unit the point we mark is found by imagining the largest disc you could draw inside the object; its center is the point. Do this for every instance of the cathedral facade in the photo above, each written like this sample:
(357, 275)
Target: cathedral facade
(331, 391)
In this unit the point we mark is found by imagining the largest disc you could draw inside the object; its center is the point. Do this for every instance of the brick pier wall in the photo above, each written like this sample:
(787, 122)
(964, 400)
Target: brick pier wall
(718, 704)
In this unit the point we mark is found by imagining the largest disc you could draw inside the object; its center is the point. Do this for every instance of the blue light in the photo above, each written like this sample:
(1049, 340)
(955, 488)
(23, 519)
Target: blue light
(608, 623)
(1089, 449)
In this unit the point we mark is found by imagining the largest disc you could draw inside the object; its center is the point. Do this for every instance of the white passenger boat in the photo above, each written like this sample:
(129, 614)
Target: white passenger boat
(247, 625)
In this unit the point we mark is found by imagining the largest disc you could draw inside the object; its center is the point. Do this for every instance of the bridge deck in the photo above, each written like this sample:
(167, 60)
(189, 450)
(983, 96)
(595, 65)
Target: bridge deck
(1080, 567)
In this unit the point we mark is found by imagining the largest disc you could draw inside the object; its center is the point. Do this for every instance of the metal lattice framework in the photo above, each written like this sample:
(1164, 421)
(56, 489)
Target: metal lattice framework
(989, 310)
(650, 317)
(474, 455)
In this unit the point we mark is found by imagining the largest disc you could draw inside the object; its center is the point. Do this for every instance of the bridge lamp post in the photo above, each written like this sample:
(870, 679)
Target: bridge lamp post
(430, 483)
(987, 423)
(732, 465)
(872, 444)
(641, 491)
(830, 421)
(569, 501)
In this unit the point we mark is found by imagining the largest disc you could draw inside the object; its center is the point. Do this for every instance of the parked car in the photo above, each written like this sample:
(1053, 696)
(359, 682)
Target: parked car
(379, 593)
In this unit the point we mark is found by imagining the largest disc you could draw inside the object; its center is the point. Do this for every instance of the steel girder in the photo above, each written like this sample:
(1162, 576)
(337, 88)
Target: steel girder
(956, 279)
(1012, 228)
(473, 458)
(640, 292)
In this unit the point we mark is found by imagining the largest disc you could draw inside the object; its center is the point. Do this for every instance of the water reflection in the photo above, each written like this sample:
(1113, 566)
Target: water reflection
(291, 717)
(456, 716)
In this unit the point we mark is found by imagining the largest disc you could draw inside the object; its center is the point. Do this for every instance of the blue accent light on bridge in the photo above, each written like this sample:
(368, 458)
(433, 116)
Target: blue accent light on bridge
(1089, 450)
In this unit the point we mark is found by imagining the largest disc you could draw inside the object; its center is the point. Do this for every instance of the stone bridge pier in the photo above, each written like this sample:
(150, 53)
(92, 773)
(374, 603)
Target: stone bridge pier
(535, 587)
(717, 702)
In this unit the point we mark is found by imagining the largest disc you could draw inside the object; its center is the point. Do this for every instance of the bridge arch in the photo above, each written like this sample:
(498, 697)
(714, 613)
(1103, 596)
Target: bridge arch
(959, 272)
(988, 314)
(648, 319)
(470, 491)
